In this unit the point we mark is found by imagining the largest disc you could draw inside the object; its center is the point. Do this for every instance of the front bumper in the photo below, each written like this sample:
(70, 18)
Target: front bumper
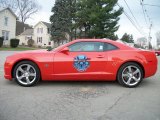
(7, 71)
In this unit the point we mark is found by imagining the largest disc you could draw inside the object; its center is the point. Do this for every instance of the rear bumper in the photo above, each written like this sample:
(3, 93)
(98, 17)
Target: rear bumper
(151, 68)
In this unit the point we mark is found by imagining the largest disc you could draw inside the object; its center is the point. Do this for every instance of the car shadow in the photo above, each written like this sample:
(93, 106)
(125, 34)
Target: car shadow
(77, 83)
(144, 83)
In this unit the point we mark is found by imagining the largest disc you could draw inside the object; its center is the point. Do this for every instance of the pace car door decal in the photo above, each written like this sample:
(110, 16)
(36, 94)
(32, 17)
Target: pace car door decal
(81, 63)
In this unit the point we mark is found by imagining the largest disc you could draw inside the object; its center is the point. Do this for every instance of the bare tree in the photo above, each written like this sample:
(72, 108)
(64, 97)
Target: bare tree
(158, 39)
(26, 8)
(12, 4)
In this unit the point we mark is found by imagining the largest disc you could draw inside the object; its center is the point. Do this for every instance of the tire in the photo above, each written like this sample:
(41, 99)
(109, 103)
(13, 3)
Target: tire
(130, 75)
(26, 73)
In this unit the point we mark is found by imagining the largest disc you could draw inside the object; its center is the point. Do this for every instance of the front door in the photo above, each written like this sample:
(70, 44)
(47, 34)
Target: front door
(84, 61)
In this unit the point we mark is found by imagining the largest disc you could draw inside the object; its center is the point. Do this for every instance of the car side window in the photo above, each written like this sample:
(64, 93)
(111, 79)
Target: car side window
(108, 46)
(86, 47)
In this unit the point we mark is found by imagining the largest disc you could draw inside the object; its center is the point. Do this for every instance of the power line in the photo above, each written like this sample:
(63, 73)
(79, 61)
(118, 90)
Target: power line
(143, 12)
(133, 23)
(152, 5)
(132, 13)
(150, 22)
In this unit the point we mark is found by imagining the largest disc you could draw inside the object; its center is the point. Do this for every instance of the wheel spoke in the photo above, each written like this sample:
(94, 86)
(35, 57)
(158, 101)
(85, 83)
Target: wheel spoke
(130, 69)
(20, 77)
(20, 69)
(28, 67)
(135, 79)
(27, 80)
(129, 81)
(125, 75)
(32, 74)
(135, 72)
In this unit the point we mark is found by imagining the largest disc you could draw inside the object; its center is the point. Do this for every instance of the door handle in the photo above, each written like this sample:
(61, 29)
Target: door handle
(100, 56)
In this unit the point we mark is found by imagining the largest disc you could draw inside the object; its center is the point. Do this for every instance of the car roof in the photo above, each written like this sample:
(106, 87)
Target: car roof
(96, 40)
(118, 44)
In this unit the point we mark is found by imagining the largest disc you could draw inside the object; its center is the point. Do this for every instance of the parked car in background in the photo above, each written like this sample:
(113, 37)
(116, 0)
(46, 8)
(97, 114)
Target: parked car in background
(157, 52)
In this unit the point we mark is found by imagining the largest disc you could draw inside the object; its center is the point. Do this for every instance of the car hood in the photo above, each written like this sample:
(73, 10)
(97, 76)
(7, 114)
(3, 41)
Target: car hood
(34, 51)
(30, 53)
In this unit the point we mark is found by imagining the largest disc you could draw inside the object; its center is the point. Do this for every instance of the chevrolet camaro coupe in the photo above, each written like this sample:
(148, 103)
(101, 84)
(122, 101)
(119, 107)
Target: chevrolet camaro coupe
(82, 60)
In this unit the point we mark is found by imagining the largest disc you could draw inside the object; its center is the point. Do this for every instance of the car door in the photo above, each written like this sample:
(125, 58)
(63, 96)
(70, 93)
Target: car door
(83, 61)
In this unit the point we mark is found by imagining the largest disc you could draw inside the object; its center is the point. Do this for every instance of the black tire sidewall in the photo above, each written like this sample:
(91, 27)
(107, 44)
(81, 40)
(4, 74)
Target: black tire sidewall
(119, 76)
(33, 65)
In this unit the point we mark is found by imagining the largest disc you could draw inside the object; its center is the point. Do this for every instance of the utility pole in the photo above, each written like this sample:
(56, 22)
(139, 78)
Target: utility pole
(149, 37)
(150, 27)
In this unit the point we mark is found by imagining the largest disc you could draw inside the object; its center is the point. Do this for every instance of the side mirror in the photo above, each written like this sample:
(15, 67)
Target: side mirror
(65, 50)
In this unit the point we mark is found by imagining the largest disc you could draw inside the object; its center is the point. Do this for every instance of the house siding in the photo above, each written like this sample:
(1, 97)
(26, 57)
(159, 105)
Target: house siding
(24, 39)
(42, 39)
(11, 27)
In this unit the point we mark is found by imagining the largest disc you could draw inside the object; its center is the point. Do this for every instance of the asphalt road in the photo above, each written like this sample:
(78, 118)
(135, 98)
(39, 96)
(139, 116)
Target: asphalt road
(79, 100)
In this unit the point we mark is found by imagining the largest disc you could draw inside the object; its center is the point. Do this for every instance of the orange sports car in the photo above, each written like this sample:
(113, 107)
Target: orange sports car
(85, 60)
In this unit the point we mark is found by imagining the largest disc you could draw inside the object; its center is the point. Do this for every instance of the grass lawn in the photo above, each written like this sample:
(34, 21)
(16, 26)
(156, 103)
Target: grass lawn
(17, 49)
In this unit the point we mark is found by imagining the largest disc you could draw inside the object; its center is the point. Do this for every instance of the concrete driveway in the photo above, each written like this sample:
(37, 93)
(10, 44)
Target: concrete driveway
(79, 100)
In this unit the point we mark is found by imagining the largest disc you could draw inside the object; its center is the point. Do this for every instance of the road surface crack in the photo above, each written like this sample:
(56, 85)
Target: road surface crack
(119, 99)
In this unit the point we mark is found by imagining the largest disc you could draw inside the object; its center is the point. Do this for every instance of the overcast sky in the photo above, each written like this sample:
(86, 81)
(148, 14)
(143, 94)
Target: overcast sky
(125, 24)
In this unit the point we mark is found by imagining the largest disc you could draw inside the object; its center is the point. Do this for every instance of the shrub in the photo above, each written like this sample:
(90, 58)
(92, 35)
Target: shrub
(23, 44)
(1, 41)
(48, 47)
(39, 46)
(30, 42)
(14, 43)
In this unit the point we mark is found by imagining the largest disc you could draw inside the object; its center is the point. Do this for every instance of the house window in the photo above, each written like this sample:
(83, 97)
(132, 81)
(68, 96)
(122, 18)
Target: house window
(37, 30)
(48, 30)
(37, 39)
(28, 37)
(41, 30)
(5, 35)
(41, 39)
(49, 43)
(6, 21)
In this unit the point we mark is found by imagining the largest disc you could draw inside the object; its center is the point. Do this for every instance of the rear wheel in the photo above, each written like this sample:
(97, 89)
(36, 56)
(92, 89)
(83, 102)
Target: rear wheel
(26, 73)
(130, 75)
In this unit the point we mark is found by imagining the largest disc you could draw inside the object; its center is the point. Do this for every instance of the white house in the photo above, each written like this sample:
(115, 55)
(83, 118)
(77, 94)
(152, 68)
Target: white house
(42, 36)
(7, 24)
(25, 36)
(142, 42)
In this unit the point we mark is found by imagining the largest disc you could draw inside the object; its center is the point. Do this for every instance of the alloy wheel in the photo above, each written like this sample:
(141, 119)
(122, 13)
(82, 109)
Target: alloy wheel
(131, 75)
(26, 74)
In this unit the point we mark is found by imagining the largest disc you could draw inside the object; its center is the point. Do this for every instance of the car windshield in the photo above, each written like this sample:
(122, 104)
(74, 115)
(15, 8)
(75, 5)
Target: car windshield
(57, 48)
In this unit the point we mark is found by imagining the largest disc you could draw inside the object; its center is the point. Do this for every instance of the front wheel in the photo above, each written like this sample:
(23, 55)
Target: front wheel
(26, 73)
(130, 75)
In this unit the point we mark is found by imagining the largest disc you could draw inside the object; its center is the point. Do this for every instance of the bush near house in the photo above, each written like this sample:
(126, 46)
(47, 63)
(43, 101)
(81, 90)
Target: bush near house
(1, 41)
(14, 43)
(30, 43)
